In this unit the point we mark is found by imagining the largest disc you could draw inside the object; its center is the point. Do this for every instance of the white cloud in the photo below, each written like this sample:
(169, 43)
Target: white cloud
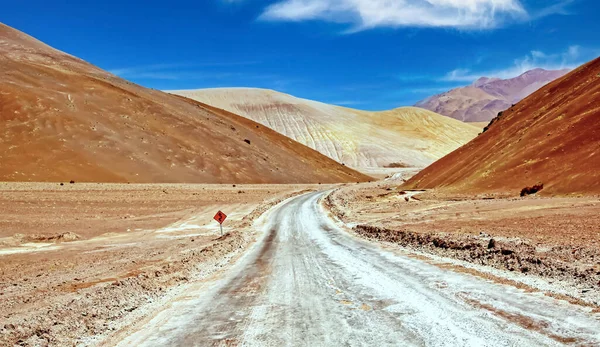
(569, 59)
(367, 14)
(346, 102)
(177, 71)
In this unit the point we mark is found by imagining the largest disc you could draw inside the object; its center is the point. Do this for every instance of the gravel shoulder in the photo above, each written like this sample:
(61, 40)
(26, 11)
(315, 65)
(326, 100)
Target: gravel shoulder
(550, 244)
(80, 262)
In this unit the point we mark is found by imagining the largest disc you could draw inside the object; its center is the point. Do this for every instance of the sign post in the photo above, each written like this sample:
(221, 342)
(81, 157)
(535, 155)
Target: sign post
(220, 217)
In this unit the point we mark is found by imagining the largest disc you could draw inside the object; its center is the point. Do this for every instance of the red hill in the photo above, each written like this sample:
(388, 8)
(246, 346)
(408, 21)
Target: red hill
(551, 137)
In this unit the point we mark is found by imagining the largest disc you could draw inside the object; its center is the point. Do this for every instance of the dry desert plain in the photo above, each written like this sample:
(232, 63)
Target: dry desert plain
(78, 261)
(82, 263)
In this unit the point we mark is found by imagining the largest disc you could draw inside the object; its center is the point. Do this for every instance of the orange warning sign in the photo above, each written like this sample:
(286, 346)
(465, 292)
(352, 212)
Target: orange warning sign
(220, 217)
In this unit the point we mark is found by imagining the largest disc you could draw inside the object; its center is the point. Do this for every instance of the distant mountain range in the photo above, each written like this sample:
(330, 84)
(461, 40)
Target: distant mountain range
(482, 100)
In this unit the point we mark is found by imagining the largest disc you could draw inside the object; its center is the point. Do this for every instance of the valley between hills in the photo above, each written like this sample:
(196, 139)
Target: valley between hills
(343, 225)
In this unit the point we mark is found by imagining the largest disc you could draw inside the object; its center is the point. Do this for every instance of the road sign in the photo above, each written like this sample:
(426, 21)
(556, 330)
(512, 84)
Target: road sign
(220, 217)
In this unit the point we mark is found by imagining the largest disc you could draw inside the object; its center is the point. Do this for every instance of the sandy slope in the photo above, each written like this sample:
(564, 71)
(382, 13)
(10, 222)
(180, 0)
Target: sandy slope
(63, 119)
(407, 136)
(551, 137)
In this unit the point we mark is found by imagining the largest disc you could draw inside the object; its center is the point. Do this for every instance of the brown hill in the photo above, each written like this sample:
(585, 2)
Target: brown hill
(63, 119)
(551, 137)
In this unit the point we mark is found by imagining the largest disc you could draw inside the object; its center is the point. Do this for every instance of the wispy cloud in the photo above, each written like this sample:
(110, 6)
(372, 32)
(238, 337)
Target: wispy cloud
(368, 14)
(570, 58)
(346, 102)
(176, 71)
(560, 7)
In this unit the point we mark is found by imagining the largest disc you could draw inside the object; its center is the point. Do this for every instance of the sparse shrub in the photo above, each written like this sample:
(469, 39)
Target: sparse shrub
(247, 141)
(532, 190)
(396, 166)
(72, 182)
(493, 121)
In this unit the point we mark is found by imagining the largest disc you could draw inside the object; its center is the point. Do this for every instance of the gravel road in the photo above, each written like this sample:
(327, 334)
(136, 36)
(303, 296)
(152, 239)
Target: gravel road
(308, 283)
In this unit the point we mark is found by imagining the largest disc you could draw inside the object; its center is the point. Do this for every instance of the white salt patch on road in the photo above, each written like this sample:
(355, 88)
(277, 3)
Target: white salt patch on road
(29, 247)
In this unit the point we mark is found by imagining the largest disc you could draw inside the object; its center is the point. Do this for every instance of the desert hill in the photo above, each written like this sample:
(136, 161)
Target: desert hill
(64, 119)
(552, 137)
(407, 136)
(482, 100)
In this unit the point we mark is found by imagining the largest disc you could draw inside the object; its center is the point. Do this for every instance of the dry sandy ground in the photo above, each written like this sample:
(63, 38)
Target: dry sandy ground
(553, 239)
(80, 261)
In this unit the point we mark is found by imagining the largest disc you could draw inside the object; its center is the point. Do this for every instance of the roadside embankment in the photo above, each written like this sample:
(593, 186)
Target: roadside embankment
(552, 239)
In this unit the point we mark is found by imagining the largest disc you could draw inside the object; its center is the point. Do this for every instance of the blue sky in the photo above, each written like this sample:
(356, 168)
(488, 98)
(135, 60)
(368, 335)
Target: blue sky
(367, 54)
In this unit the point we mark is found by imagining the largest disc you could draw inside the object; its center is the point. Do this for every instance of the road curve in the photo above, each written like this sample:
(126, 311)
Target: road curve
(308, 283)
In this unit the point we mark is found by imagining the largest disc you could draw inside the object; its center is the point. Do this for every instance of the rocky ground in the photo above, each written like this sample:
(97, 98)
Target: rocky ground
(80, 261)
(554, 239)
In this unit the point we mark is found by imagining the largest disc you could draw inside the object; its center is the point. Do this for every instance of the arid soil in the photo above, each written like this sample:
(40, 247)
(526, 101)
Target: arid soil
(403, 137)
(555, 239)
(80, 261)
(63, 119)
(552, 138)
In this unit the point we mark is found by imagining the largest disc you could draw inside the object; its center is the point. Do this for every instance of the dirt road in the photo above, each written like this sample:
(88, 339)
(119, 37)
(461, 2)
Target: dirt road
(308, 283)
